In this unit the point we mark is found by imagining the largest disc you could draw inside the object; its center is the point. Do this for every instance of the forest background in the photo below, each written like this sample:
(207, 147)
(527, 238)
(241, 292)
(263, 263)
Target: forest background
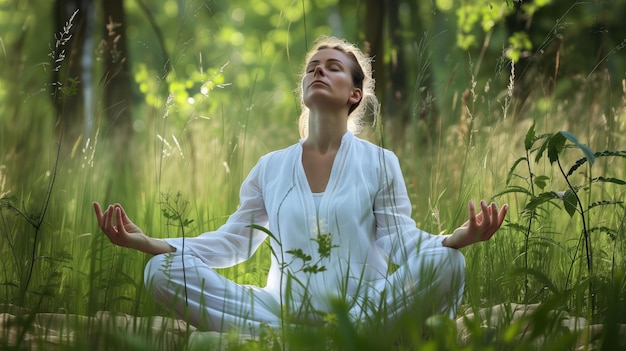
(164, 107)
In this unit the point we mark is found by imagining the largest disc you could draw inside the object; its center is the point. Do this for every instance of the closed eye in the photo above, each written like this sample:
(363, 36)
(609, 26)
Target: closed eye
(332, 65)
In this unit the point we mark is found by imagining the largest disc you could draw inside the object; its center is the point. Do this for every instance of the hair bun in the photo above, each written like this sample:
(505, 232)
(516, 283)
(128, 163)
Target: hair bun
(367, 112)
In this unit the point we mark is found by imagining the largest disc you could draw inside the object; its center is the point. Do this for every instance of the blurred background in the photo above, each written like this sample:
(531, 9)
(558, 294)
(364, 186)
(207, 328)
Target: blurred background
(164, 106)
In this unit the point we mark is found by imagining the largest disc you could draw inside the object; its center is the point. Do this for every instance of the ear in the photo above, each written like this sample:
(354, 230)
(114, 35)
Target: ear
(356, 96)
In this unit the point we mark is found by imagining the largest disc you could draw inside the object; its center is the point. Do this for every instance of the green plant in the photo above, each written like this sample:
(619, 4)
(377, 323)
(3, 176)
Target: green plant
(579, 200)
(174, 210)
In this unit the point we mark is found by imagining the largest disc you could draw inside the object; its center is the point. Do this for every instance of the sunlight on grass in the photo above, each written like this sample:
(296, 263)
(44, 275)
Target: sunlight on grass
(78, 272)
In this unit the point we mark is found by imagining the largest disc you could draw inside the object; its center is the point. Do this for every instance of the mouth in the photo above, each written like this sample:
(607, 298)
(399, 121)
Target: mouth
(318, 82)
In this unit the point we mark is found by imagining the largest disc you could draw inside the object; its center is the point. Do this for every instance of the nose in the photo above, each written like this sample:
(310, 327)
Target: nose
(319, 70)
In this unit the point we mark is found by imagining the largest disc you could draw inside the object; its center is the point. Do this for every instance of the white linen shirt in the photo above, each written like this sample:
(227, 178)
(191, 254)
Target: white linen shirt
(365, 208)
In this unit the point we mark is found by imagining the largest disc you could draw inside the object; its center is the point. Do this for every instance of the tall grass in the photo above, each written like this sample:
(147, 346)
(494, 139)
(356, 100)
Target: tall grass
(63, 263)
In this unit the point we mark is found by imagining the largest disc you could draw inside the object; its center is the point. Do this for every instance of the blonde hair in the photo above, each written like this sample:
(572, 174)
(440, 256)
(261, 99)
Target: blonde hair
(361, 71)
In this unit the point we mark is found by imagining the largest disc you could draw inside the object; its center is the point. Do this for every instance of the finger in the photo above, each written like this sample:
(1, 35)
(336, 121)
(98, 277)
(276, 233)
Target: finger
(483, 206)
(472, 215)
(109, 224)
(120, 226)
(502, 214)
(106, 217)
(486, 220)
(494, 214)
(98, 210)
(124, 218)
(99, 215)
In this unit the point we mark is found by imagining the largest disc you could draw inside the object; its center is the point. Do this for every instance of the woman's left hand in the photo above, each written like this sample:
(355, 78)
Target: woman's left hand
(479, 227)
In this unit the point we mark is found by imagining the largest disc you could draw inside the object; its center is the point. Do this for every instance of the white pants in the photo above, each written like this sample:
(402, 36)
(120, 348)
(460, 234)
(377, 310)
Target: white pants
(434, 282)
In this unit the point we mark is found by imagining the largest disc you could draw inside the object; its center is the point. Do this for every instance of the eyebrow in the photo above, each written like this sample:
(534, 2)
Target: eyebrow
(330, 59)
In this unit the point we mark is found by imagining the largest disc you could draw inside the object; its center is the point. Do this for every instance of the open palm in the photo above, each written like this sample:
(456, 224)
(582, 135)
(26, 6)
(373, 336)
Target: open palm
(479, 227)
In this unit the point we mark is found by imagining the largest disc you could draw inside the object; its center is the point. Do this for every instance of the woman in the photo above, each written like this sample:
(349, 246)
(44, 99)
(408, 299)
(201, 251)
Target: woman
(337, 212)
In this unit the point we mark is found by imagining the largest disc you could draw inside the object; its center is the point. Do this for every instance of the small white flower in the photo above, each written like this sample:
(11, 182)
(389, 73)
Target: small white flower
(560, 194)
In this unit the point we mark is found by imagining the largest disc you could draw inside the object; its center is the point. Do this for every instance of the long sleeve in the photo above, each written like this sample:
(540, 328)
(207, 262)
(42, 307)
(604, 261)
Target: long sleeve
(235, 241)
(396, 232)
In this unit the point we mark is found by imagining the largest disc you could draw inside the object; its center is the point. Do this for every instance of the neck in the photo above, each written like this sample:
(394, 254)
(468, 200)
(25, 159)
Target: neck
(326, 131)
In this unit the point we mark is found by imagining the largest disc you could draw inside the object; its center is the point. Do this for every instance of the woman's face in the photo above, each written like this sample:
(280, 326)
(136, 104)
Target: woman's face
(327, 83)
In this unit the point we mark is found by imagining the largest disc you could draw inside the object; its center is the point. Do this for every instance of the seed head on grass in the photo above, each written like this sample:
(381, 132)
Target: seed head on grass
(57, 53)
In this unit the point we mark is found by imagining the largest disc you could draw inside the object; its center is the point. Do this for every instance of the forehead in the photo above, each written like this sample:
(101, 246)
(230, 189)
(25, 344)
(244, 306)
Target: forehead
(328, 54)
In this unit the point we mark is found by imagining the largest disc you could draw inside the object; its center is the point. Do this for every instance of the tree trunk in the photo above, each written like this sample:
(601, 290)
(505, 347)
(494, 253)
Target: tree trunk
(396, 88)
(375, 43)
(423, 112)
(116, 76)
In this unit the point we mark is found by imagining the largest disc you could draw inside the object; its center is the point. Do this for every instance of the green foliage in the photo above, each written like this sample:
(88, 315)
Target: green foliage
(474, 18)
(189, 93)
(571, 200)
(480, 14)
(324, 246)
(174, 210)
(519, 43)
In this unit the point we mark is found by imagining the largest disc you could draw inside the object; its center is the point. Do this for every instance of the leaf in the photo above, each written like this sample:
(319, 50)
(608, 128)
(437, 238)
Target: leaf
(539, 276)
(585, 149)
(604, 203)
(298, 253)
(608, 180)
(555, 146)
(124, 299)
(611, 153)
(167, 214)
(569, 202)
(530, 137)
(8, 200)
(513, 189)
(605, 153)
(266, 231)
(314, 269)
(271, 235)
(511, 333)
(511, 173)
(540, 199)
(610, 232)
(324, 244)
(542, 149)
(541, 181)
(517, 227)
(576, 165)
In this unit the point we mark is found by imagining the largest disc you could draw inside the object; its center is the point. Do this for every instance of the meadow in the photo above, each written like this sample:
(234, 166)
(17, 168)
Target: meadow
(559, 165)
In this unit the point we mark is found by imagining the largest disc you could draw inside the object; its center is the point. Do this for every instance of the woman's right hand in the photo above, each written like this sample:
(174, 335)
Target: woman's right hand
(119, 228)
(122, 231)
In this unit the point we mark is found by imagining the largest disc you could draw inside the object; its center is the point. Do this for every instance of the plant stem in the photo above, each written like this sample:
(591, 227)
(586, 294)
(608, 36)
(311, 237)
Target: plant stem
(585, 233)
(44, 209)
(528, 229)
